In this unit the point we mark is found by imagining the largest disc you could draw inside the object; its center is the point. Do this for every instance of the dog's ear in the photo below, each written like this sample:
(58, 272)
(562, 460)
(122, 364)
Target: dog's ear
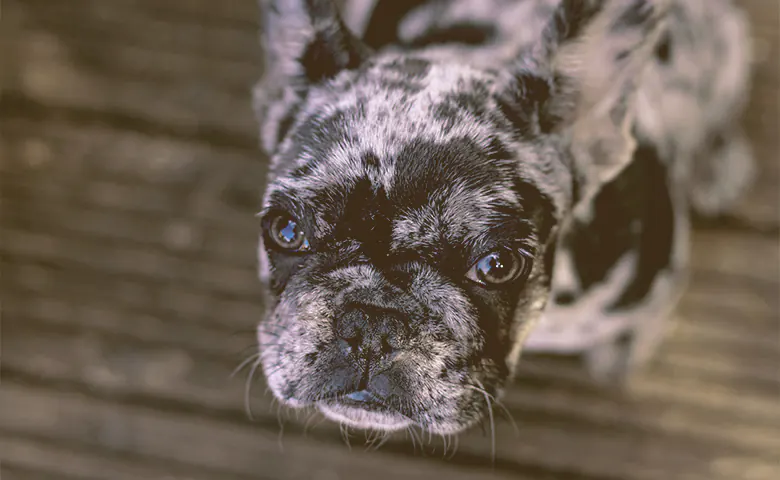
(304, 43)
(581, 80)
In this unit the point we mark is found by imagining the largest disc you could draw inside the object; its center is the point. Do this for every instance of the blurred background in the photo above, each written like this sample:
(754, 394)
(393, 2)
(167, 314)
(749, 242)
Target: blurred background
(129, 176)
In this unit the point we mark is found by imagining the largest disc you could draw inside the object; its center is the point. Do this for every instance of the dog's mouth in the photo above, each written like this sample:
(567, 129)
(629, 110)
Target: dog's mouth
(364, 410)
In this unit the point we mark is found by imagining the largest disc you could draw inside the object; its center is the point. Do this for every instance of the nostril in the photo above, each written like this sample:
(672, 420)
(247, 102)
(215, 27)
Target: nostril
(369, 330)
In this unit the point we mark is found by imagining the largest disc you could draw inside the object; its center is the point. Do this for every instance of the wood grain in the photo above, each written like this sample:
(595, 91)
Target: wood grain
(128, 183)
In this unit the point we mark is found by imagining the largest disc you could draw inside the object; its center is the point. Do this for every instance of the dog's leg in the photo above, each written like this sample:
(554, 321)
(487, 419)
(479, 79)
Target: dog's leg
(619, 272)
(649, 321)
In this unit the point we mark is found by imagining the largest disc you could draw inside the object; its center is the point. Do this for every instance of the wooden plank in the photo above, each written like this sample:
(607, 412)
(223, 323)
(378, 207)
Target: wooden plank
(118, 154)
(130, 284)
(227, 326)
(127, 24)
(714, 324)
(201, 384)
(160, 178)
(10, 471)
(53, 76)
(148, 311)
(190, 96)
(763, 13)
(185, 370)
(239, 13)
(713, 250)
(200, 441)
(158, 265)
(115, 169)
(762, 204)
(45, 263)
(28, 458)
(753, 256)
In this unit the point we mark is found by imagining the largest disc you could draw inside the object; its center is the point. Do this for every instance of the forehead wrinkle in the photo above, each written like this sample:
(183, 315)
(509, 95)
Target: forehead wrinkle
(370, 91)
(472, 211)
(456, 214)
(372, 112)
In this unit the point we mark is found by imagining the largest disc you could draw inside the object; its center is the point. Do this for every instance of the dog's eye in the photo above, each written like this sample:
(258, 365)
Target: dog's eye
(285, 233)
(499, 267)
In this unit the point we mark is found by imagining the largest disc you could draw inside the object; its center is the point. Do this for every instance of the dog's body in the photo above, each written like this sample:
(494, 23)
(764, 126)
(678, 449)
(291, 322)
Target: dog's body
(556, 143)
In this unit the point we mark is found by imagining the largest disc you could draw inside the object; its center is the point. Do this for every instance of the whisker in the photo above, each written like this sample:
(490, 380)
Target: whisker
(372, 437)
(410, 434)
(499, 404)
(280, 438)
(244, 363)
(345, 435)
(456, 444)
(248, 391)
(419, 439)
(307, 423)
(492, 426)
(274, 401)
(384, 440)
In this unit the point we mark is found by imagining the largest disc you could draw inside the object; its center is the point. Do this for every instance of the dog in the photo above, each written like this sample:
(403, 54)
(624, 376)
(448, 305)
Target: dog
(453, 182)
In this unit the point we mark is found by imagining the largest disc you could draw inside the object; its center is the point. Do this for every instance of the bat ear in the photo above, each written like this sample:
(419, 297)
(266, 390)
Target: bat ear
(581, 79)
(305, 42)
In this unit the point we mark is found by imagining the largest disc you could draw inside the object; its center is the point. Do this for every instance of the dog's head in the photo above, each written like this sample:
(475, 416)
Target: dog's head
(410, 215)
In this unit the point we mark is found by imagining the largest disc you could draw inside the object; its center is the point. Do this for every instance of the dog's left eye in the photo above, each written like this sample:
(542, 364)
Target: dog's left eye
(285, 233)
(499, 267)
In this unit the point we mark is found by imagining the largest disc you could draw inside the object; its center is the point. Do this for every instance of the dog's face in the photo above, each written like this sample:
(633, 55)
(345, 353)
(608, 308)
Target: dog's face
(400, 252)
(408, 224)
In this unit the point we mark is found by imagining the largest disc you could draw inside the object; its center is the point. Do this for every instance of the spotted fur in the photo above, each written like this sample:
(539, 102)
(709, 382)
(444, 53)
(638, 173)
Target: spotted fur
(432, 133)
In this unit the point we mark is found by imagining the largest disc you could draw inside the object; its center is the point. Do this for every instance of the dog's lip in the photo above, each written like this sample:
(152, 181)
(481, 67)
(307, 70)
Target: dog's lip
(365, 419)
(364, 409)
(362, 400)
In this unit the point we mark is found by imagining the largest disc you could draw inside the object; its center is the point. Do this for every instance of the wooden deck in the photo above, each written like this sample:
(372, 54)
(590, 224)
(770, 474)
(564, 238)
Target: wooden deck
(129, 177)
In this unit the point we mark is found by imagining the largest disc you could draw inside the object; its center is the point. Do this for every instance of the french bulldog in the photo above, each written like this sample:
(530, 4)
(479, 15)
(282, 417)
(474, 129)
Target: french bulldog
(454, 182)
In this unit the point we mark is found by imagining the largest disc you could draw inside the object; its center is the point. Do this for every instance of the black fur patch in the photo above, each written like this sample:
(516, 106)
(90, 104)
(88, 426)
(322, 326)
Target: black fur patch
(381, 29)
(657, 236)
(367, 219)
(465, 34)
(663, 51)
(329, 52)
(633, 212)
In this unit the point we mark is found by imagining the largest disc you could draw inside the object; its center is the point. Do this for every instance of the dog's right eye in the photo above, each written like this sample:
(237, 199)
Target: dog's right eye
(285, 234)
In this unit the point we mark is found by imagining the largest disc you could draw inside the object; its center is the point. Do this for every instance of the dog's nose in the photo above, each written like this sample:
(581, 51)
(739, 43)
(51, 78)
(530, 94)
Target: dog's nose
(369, 332)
